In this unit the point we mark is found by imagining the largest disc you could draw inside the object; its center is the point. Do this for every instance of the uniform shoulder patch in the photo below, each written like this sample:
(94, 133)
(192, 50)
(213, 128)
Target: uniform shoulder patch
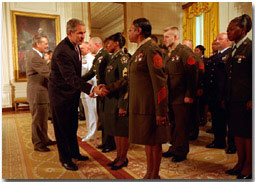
(162, 94)
(125, 72)
(157, 60)
(201, 65)
(191, 60)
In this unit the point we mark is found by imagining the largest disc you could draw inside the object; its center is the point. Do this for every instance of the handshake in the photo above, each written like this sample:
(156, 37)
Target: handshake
(99, 90)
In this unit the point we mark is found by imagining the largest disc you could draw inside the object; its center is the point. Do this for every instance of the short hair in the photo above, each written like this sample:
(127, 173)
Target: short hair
(243, 21)
(154, 37)
(174, 29)
(201, 48)
(38, 39)
(145, 25)
(189, 43)
(72, 24)
(50, 51)
(97, 40)
(118, 37)
(86, 43)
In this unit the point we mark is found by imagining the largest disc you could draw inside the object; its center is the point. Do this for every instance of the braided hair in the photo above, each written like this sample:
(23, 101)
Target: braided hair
(118, 37)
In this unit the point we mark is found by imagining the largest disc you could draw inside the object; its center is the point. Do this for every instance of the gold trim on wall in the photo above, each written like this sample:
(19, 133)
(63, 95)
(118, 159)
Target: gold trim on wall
(89, 18)
(14, 14)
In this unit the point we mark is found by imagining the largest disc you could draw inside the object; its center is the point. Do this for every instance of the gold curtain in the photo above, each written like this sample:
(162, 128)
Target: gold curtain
(211, 23)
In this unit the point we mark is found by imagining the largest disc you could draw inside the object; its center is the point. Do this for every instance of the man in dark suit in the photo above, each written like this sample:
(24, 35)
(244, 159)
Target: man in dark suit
(37, 93)
(64, 91)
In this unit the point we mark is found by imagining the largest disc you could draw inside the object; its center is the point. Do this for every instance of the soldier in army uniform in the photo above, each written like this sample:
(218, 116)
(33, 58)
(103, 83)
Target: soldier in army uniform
(116, 103)
(182, 80)
(98, 69)
(239, 93)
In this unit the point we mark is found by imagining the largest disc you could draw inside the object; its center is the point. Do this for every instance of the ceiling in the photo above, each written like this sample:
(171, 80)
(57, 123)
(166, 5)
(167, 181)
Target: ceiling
(103, 13)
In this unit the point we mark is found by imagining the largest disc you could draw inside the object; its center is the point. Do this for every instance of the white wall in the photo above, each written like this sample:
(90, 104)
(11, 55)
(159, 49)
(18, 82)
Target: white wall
(230, 10)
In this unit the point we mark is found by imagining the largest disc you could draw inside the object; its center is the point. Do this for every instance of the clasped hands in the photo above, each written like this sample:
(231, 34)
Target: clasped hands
(100, 90)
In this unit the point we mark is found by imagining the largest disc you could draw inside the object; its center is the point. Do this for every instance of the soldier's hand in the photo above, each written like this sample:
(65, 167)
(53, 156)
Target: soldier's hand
(249, 105)
(101, 85)
(188, 100)
(122, 112)
(104, 92)
(96, 90)
(161, 121)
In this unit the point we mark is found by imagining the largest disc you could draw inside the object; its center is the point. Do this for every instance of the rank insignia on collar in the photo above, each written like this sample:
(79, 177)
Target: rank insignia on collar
(244, 43)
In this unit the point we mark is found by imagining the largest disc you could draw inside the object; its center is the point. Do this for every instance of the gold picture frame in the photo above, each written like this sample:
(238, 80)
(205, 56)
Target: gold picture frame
(24, 26)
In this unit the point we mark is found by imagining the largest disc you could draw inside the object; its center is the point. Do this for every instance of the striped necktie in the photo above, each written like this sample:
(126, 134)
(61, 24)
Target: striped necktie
(77, 50)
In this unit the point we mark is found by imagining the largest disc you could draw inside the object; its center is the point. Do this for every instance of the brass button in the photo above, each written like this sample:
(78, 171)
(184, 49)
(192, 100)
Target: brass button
(211, 81)
(212, 69)
(211, 75)
(229, 77)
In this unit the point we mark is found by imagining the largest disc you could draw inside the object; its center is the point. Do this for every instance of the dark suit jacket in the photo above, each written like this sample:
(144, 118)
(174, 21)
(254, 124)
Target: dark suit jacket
(65, 78)
(37, 79)
(239, 74)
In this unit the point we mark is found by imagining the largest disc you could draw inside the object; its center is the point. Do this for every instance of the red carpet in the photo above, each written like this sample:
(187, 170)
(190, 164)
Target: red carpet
(100, 158)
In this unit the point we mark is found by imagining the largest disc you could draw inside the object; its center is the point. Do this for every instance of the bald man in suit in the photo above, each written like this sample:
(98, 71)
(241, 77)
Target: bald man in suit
(37, 93)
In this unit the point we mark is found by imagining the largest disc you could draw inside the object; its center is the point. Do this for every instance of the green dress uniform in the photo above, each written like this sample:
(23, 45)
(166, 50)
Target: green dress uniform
(115, 70)
(147, 95)
(181, 68)
(98, 68)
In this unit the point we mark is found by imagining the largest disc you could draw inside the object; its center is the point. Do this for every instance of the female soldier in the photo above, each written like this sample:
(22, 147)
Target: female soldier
(239, 94)
(116, 103)
(147, 96)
